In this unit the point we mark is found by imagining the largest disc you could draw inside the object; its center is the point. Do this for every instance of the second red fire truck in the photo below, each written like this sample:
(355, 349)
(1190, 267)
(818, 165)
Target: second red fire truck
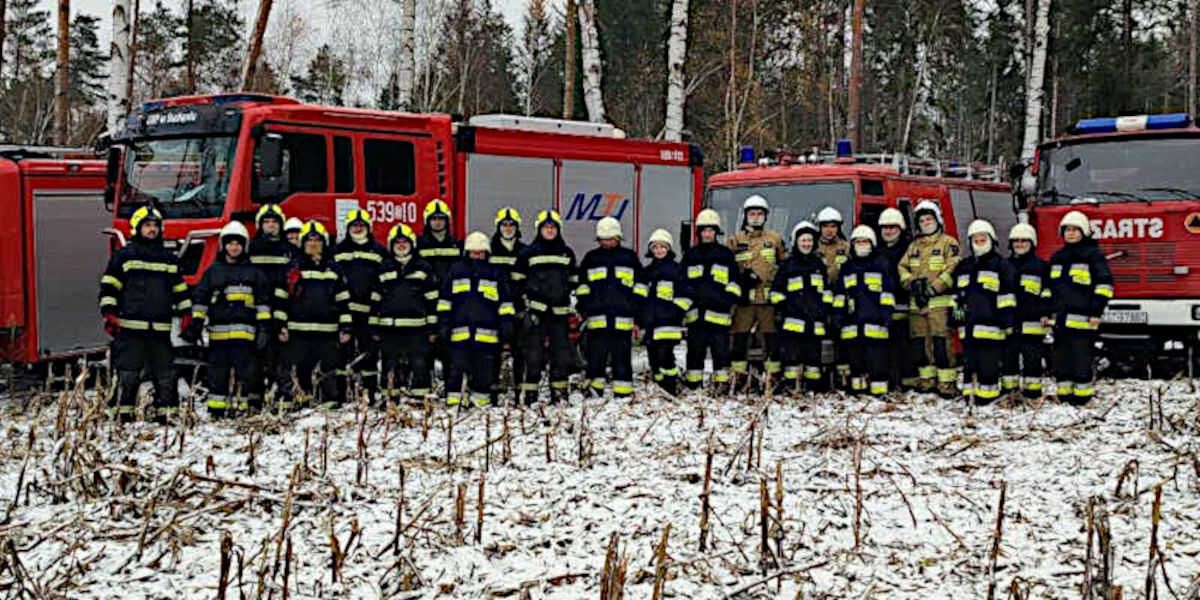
(207, 160)
(1137, 179)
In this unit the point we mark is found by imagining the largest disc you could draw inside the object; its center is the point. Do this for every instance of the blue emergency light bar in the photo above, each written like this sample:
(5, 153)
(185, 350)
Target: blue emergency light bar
(844, 148)
(746, 155)
(1133, 123)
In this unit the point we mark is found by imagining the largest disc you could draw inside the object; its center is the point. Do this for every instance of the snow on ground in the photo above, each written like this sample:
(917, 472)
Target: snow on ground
(141, 511)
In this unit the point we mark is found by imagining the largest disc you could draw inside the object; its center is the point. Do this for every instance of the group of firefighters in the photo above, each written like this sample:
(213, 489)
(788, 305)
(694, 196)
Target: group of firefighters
(288, 308)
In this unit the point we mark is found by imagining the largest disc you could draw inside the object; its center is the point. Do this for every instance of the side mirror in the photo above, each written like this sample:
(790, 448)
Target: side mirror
(685, 236)
(1017, 169)
(270, 156)
(270, 181)
(112, 175)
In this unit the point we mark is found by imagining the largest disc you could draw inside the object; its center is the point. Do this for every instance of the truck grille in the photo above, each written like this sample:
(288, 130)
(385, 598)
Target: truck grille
(1143, 263)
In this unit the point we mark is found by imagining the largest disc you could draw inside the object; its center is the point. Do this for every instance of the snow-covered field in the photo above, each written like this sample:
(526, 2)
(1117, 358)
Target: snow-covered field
(309, 501)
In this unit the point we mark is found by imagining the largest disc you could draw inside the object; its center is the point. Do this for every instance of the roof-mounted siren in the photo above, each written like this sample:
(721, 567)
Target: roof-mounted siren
(547, 125)
(845, 151)
(747, 157)
(1131, 123)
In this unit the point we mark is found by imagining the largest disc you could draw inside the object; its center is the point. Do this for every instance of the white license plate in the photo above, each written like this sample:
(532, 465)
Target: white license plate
(1126, 316)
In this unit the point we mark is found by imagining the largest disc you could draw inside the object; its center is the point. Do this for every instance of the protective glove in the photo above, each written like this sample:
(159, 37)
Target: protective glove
(112, 324)
(260, 340)
(192, 331)
(959, 315)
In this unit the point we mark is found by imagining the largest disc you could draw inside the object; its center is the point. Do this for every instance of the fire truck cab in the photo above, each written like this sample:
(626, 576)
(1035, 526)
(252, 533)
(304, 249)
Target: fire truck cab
(860, 187)
(1136, 178)
(207, 160)
(51, 252)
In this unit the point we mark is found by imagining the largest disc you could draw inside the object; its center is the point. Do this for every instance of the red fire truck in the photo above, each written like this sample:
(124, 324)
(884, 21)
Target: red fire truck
(1137, 179)
(51, 250)
(207, 160)
(860, 187)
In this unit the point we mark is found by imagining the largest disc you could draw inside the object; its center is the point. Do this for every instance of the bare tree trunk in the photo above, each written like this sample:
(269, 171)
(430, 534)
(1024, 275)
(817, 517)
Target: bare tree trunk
(1192, 55)
(593, 93)
(136, 21)
(569, 62)
(256, 43)
(991, 125)
(1126, 42)
(922, 63)
(4, 28)
(676, 58)
(1037, 75)
(854, 118)
(118, 64)
(406, 72)
(62, 80)
(190, 58)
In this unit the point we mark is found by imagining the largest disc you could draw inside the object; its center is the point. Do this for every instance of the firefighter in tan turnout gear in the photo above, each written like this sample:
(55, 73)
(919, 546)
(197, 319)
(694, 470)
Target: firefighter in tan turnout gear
(758, 251)
(926, 274)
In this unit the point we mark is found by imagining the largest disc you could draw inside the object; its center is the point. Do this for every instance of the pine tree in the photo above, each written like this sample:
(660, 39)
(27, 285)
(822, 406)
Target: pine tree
(87, 62)
(27, 40)
(325, 81)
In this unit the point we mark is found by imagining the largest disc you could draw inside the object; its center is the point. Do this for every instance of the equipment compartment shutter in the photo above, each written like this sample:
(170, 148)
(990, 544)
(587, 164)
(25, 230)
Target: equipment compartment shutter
(493, 182)
(964, 213)
(666, 201)
(591, 191)
(68, 273)
(997, 208)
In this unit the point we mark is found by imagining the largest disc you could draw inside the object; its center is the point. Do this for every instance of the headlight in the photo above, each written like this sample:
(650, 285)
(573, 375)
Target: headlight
(1196, 312)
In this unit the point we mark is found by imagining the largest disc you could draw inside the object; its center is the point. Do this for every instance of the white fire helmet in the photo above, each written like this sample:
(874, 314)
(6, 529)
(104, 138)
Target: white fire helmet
(608, 228)
(477, 242)
(1023, 231)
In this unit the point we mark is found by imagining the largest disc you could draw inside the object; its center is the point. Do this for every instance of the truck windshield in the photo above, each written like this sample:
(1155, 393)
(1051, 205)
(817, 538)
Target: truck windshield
(790, 203)
(1120, 171)
(185, 177)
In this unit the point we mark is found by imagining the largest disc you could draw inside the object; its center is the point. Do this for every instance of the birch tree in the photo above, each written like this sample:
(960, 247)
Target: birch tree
(593, 94)
(1037, 74)
(407, 61)
(118, 64)
(676, 82)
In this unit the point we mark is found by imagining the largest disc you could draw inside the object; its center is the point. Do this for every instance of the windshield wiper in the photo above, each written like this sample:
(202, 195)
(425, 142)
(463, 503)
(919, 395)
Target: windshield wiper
(1055, 195)
(1183, 194)
(1120, 195)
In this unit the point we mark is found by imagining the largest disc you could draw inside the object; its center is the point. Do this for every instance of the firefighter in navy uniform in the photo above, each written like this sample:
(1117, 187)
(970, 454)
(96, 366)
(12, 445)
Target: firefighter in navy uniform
(758, 251)
(475, 315)
(802, 305)
(609, 305)
(318, 319)
(1023, 360)
(271, 252)
(141, 291)
(437, 245)
(663, 308)
(835, 251)
(710, 271)
(984, 307)
(1081, 285)
(506, 247)
(895, 248)
(926, 274)
(546, 271)
(404, 317)
(233, 299)
(864, 297)
(360, 257)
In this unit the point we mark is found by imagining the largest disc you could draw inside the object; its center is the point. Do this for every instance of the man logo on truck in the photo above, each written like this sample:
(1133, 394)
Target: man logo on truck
(1132, 228)
(597, 207)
